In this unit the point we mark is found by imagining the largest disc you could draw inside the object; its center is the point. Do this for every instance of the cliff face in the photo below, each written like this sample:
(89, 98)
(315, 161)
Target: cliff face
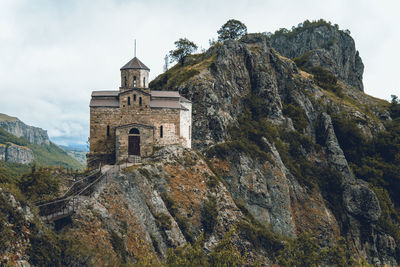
(244, 90)
(325, 46)
(18, 128)
(16, 154)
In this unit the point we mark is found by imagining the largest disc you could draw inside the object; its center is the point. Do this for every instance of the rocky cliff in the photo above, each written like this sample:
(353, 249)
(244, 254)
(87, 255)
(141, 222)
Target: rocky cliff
(16, 154)
(18, 128)
(266, 126)
(322, 44)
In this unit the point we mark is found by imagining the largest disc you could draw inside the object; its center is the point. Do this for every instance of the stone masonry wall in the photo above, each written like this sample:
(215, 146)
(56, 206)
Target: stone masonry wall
(101, 117)
(134, 104)
(130, 74)
(121, 141)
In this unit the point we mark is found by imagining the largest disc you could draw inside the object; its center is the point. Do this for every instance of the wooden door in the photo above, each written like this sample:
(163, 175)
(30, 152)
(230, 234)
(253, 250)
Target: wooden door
(134, 145)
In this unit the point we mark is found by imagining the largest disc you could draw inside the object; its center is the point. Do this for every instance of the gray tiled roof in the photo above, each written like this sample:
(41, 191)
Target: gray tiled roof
(155, 93)
(103, 102)
(135, 63)
(105, 93)
(160, 103)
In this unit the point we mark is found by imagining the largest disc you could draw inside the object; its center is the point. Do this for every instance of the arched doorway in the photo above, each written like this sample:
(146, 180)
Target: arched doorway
(134, 142)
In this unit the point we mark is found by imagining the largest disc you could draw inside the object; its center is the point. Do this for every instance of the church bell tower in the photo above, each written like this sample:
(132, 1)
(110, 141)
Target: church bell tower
(135, 74)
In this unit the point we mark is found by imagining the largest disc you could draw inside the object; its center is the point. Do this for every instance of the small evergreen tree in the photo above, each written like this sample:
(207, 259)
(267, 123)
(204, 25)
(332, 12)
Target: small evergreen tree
(232, 29)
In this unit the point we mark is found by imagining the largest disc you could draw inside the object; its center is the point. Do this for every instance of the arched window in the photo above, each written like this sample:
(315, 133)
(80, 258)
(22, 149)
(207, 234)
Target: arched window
(134, 81)
(161, 131)
(140, 101)
(108, 130)
(134, 131)
(129, 101)
(144, 81)
(134, 97)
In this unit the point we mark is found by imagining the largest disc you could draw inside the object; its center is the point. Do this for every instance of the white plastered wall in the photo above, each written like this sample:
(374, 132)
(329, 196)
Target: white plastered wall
(186, 123)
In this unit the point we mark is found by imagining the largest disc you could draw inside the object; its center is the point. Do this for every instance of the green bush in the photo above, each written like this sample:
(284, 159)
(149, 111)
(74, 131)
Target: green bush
(180, 220)
(163, 221)
(118, 245)
(297, 114)
(39, 185)
(305, 251)
(209, 215)
(302, 60)
(11, 172)
(326, 80)
(224, 254)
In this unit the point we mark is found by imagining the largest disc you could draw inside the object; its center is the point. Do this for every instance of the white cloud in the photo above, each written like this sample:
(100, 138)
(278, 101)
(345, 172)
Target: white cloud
(54, 53)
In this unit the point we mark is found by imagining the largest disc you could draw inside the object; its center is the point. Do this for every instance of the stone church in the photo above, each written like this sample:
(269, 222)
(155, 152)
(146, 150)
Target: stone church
(128, 123)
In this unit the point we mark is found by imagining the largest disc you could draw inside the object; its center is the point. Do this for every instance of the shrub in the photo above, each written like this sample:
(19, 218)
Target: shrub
(302, 60)
(163, 221)
(305, 251)
(209, 214)
(39, 185)
(297, 114)
(118, 245)
(180, 220)
(326, 80)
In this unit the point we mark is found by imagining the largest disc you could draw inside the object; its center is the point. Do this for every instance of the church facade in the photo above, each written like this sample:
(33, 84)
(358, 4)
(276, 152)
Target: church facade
(128, 123)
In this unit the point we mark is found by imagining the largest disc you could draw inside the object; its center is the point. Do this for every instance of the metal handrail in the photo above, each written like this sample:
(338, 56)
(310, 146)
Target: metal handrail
(61, 207)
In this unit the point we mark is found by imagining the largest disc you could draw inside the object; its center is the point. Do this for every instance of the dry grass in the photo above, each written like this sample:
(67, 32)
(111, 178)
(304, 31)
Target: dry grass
(4, 117)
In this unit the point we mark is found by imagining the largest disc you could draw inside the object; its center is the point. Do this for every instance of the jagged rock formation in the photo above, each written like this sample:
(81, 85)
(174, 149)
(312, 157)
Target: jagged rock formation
(326, 46)
(18, 128)
(16, 154)
(235, 75)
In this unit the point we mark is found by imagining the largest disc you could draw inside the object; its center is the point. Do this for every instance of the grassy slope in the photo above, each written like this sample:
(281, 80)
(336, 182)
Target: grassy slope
(5, 117)
(52, 155)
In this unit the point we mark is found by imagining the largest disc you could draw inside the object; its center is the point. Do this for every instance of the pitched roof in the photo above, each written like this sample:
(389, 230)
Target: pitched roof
(105, 93)
(160, 103)
(135, 63)
(155, 93)
(99, 102)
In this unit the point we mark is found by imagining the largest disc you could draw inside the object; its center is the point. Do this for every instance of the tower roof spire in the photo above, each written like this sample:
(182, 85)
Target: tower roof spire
(135, 63)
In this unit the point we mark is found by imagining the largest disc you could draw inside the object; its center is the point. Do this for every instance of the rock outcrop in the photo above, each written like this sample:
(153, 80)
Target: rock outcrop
(255, 73)
(18, 128)
(325, 46)
(16, 154)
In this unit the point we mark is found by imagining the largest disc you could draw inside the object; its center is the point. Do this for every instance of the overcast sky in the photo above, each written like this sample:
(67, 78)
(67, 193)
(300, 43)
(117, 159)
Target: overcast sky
(54, 53)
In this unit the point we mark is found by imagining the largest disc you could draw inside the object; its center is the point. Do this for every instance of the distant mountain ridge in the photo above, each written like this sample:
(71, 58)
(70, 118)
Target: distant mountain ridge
(24, 144)
(16, 127)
